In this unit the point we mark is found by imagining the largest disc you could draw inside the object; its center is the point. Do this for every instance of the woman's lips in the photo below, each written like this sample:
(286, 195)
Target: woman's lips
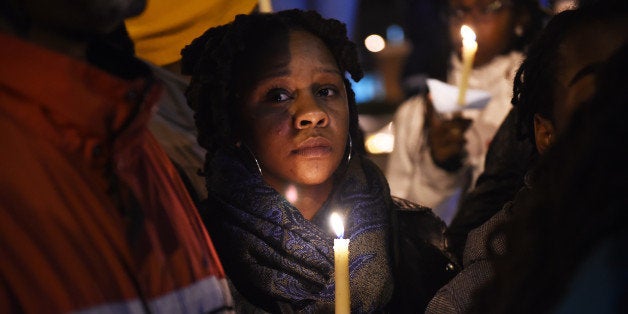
(314, 147)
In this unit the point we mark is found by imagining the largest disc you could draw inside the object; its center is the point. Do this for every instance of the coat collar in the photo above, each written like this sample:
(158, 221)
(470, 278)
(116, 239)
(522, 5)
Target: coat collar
(73, 92)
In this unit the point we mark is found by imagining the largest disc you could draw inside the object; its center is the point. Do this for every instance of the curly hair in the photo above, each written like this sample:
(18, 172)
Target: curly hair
(219, 59)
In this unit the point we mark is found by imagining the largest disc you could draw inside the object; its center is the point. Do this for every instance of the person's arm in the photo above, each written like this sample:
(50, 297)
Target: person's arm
(443, 166)
(446, 137)
(507, 161)
(421, 264)
(412, 172)
(434, 184)
(407, 124)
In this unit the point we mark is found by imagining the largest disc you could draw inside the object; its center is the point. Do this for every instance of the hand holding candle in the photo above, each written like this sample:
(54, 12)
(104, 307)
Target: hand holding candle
(341, 266)
(469, 48)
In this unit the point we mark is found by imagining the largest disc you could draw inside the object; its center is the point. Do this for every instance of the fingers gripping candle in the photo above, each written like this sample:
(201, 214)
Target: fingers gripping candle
(341, 266)
(469, 48)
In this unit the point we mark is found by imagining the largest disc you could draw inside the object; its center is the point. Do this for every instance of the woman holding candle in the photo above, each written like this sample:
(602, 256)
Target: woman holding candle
(279, 121)
(436, 159)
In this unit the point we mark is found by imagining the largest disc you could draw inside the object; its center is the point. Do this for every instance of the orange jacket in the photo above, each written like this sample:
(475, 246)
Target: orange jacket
(69, 132)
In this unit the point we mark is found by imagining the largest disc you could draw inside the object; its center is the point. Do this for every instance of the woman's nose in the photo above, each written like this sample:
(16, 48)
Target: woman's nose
(309, 114)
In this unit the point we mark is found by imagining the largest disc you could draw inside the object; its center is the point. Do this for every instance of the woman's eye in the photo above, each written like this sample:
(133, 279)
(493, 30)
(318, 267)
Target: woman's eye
(326, 92)
(278, 95)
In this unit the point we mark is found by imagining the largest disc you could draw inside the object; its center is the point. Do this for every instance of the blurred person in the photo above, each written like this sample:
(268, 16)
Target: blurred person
(566, 242)
(278, 118)
(436, 159)
(555, 78)
(93, 216)
(514, 150)
(158, 35)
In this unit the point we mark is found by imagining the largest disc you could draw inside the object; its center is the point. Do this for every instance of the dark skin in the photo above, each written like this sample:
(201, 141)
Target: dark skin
(445, 136)
(494, 23)
(582, 54)
(296, 120)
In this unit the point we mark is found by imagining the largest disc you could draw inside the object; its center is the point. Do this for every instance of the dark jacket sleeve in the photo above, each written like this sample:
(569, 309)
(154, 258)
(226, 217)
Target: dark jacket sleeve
(509, 157)
(421, 264)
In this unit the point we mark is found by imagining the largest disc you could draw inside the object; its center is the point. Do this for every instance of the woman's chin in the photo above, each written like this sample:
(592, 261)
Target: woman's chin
(316, 173)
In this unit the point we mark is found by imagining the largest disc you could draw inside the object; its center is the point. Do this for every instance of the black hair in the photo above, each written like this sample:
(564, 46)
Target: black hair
(535, 94)
(215, 59)
(535, 80)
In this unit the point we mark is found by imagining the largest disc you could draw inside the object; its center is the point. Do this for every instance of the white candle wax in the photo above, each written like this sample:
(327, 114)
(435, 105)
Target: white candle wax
(341, 267)
(469, 48)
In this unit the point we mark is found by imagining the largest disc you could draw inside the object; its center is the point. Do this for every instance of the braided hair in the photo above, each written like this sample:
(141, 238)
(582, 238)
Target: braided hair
(540, 66)
(221, 59)
(535, 80)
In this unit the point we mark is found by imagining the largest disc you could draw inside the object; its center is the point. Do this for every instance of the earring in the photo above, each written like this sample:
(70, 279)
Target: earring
(519, 30)
(350, 149)
(259, 169)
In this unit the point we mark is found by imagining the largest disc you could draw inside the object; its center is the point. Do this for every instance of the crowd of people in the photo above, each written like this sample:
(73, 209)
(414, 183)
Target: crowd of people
(191, 164)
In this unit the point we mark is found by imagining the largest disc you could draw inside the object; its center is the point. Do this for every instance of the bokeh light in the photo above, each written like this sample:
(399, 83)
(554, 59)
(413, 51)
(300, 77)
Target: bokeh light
(375, 43)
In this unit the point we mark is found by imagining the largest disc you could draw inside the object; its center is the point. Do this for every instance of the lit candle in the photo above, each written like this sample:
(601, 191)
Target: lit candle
(341, 266)
(265, 6)
(469, 48)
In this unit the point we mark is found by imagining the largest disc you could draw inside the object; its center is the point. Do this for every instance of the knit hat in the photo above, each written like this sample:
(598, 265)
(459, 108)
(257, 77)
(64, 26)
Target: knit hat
(167, 26)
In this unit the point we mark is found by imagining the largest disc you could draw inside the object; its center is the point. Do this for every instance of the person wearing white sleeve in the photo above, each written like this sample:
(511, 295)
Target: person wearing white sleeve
(412, 172)
(435, 161)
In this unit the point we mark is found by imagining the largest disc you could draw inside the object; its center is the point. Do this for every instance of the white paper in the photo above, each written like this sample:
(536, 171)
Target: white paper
(445, 97)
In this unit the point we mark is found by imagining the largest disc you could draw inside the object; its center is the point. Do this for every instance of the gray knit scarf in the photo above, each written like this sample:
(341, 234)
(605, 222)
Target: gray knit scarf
(277, 258)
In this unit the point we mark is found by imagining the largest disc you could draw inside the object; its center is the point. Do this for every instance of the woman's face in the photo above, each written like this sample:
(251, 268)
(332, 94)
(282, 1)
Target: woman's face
(296, 118)
(492, 21)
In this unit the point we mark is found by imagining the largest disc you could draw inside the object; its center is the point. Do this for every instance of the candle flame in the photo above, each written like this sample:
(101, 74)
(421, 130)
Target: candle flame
(467, 33)
(336, 224)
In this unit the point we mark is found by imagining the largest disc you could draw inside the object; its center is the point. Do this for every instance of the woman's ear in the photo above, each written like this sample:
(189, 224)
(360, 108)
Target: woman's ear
(543, 133)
